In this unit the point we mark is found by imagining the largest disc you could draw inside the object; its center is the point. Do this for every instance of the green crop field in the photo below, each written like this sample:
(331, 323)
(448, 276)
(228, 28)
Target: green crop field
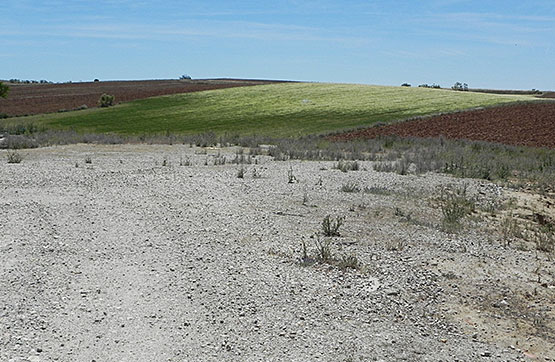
(289, 109)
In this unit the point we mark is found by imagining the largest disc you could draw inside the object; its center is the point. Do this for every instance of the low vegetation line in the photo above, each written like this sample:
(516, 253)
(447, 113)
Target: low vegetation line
(514, 166)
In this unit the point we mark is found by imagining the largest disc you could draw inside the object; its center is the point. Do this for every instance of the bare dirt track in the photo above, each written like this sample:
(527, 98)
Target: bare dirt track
(28, 99)
(530, 124)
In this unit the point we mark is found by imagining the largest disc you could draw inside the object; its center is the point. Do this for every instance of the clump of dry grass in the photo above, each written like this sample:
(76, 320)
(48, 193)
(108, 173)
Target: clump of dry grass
(350, 187)
(345, 166)
(291, 178)
(14, 157)
(330, 226)
(323, 253)
(241, 172)
(455, 204)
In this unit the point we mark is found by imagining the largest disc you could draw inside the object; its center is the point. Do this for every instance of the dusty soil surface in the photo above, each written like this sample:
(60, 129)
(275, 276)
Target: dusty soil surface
(531, 124)
(27, 99)
(133, 257)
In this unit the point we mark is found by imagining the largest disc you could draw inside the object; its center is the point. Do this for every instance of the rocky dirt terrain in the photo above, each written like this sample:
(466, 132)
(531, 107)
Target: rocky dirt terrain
(529, 124)
(153, 253)
(27, 99)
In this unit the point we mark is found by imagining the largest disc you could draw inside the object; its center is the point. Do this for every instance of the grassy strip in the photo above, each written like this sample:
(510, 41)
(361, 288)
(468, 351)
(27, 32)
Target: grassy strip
(279, 110)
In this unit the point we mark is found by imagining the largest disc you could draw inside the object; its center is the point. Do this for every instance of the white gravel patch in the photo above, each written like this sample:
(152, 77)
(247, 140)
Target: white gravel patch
(125, 259)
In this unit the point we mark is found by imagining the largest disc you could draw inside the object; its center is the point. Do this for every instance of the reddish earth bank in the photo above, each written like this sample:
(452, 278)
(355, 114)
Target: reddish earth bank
(530, 124)
(27, 99)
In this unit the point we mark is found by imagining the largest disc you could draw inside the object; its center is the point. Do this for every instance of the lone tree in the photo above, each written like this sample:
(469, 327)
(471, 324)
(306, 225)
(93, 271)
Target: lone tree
(460, 86)
(4, 89)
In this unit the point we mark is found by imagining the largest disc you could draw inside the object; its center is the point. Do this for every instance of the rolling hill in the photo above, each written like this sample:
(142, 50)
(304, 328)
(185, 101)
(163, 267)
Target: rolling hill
(287, 109)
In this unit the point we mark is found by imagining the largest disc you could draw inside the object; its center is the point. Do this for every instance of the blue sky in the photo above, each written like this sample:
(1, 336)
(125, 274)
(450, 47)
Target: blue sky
(487, 43)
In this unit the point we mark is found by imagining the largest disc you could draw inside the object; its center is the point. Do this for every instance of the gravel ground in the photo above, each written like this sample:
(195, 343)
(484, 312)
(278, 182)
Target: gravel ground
(133, 257)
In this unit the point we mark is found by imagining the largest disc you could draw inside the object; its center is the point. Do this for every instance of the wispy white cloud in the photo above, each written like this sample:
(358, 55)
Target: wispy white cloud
(424, 54)
(498, 16)
(488, 28)
(230, 29)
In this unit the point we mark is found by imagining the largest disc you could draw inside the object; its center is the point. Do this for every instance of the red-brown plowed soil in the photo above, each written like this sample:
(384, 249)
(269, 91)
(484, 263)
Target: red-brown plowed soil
(531, 124)
(25, 99)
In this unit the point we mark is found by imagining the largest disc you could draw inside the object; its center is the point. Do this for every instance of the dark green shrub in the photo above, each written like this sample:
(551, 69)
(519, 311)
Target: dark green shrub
(4, 90)
(106, 100)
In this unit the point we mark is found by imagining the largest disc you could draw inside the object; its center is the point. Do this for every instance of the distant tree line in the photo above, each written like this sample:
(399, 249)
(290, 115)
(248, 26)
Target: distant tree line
(26, 81)
(425, 85)
(433, 85)
(457, 86)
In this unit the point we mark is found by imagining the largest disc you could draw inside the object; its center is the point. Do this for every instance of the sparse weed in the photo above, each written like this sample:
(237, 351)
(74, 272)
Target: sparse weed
(306, 259)
(348, 262)
(350, 187)
(405, 216)
(330, 226)
(241, 159)
(491, 207)
(165, 162)
(345, 166)
(256, 173)
(291, 176)
(185, 162)
(384, 167)
(219, 160)
(544, 239)
(241, 172)
(305, 198)
(14, 157)
(455, 205)
(376, 190)
(88, 159)
(395, 245)
(324, 254)
(510, 230)
(323, 249)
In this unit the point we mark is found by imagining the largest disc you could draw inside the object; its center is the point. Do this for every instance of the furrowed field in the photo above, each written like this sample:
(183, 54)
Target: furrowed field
(279, 110)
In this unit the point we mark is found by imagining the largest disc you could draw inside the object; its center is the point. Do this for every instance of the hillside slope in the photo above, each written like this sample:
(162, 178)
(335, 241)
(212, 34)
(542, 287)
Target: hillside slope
(30, 99)
(288, 109)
